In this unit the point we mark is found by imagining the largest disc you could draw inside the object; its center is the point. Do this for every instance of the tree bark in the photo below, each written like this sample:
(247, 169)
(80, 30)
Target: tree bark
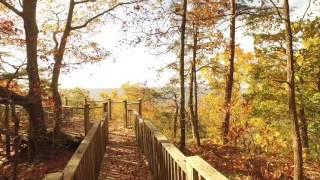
(7, 127)
(58, 57)
(297, 148)
(35, 109)
(196, 116)
(182, 90)
(229, 80)
(176, 114)
(33, 101)
(304, 129)
(303, 122)
(191, 104)
(318, 82)
(191, 85)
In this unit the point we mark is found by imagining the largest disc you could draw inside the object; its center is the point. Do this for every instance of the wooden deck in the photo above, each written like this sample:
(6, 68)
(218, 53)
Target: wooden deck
(123, 159)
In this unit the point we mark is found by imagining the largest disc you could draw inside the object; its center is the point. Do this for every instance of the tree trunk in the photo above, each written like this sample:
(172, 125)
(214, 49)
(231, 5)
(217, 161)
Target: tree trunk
(56, 95)
(318, 83)
(191, 85)
(58, 57)
(35, 109)
(297, 148)
(57, 109)
(190, 104)
(303, 122)
(182, 90)
(304, 130)
(7, 127)
(176, 113)
(229, 80)
(196, 116)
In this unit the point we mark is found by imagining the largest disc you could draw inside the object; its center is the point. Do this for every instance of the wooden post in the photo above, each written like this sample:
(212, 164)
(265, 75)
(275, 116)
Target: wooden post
(85, 101)
(129, 124)
(125, 114)
(136, 127)
(107, 129)
(140, 107)
(6, 126)
(109, 110)
(86, 118)
(104, 111)
(106, 114)
(66, 99)
(105, 108)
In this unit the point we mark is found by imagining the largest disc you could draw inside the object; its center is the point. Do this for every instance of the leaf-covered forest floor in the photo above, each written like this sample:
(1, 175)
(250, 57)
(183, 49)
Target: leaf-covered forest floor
(123, 160)
(236, 163)
(56, 160)
(35, 170)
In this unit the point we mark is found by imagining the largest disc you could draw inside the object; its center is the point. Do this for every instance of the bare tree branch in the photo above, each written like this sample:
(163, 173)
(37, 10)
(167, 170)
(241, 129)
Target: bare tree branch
(305, 12)
(116, 17)
(101, 14)
(20, 3)
(56, 31)
(277, 9)
(11, 65)
(280, 81)
(14, 75)
(81, 2)
(56, 43)
(11, 7)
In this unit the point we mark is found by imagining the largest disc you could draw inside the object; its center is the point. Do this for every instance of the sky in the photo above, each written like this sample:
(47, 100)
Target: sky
(136, 64)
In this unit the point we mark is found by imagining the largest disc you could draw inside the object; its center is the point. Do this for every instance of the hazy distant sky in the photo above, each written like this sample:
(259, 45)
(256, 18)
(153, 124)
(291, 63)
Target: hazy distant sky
(136, 64)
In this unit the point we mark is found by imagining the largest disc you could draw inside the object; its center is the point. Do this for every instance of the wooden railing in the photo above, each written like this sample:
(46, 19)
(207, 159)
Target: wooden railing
(86, 161)
(165, 160)
(87, 108)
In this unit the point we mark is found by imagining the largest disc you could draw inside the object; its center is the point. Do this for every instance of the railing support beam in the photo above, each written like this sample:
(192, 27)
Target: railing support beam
(125, 114)
(109, 109)
(140, 107)
(86, 118)
(66, 101)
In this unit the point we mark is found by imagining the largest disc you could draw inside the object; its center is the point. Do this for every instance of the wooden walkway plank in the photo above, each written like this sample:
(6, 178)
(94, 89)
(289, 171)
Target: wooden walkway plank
(123, 159)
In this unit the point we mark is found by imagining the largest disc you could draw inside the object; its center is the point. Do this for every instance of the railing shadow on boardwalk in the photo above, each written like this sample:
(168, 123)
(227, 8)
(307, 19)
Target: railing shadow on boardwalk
(165, 160)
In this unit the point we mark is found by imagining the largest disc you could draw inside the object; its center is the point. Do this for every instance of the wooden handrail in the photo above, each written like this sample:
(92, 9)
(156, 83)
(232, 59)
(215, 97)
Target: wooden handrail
(166, 161)
(73, 107)
(197, 164)
(82, 165)
(98, 107)
(86, 161)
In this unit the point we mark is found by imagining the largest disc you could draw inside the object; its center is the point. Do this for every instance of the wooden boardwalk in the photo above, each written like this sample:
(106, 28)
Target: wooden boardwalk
(123, 159)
